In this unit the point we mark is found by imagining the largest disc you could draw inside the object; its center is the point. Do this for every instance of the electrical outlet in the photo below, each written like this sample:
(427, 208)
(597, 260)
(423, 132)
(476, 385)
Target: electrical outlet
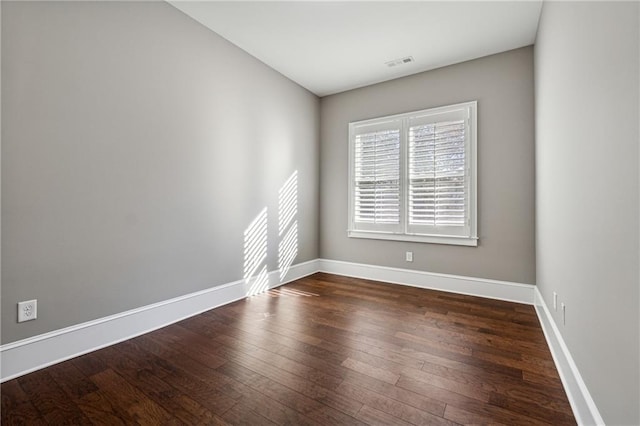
(28, 310)
(564, 313)
(409, 256)
(555, 301)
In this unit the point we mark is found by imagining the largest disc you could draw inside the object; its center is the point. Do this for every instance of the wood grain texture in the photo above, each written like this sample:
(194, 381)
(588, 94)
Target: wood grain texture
(323, 350)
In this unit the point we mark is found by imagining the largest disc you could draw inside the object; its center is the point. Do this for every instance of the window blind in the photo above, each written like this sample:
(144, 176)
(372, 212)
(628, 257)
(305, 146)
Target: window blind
(377, 177)
(412, 176)
(437, 178)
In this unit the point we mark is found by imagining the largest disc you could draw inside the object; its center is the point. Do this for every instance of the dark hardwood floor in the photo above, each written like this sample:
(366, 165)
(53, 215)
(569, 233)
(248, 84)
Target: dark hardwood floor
(324, 350)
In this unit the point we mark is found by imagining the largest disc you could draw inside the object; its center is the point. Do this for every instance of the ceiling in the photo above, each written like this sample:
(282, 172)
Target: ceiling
(329, 47)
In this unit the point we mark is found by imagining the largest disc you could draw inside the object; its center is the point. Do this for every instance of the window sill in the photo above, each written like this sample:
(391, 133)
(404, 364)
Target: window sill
(432, 239)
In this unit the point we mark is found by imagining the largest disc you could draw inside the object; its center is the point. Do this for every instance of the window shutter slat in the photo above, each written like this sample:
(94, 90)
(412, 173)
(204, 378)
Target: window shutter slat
(437, 185)
(377, 177)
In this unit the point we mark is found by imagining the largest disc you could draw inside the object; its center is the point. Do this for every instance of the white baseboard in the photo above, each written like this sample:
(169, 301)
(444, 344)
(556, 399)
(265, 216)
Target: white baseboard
(493, 289)
(31, 354)
(583, 406)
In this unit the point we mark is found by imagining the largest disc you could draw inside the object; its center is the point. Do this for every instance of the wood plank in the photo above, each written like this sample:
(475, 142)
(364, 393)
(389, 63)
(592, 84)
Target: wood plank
(102, 408)
(314, 409)
(17, 407)
(199, 382)
(470, 389)
(473, 405)
(177, 403)
(321, 350)
(391, 406)
(532, 410)
(325, 380)
(96, 404)
(421, 402)
(72, 380)
(374, 417)
(464, 417)
(241, 415)
(142, 409)
(50, 400)
(370, 370)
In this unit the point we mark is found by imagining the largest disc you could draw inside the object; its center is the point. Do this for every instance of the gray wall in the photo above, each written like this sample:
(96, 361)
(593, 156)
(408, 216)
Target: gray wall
(586, 71)
(137, 147)
(503, 86)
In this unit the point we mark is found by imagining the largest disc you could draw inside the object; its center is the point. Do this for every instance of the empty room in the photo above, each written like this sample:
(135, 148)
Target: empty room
(320, 212)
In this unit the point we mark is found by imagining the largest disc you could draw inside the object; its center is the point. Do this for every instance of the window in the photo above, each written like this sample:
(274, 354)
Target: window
(412, 177)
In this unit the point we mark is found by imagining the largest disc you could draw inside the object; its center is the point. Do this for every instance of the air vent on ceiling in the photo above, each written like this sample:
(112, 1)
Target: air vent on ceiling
(401, 61)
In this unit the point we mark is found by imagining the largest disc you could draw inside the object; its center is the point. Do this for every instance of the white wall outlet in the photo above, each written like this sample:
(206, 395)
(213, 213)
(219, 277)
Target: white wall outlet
(28, 310)
(564, 313)
(409, 256)
(555, 301)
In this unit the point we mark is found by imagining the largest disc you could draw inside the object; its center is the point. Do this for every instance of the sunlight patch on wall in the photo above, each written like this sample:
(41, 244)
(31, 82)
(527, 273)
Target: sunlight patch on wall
(288, 250)
(255, 255)
(287, 224)
(287, 202)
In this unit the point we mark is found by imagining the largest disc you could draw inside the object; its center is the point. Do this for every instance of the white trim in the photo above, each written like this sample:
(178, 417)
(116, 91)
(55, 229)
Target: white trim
(434, 239)
(584, 408)
(31, 354)
(493, 289)
(466, 235)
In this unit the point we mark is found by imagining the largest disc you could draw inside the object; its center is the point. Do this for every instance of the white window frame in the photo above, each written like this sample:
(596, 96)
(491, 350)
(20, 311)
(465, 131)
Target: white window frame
(403, 232)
